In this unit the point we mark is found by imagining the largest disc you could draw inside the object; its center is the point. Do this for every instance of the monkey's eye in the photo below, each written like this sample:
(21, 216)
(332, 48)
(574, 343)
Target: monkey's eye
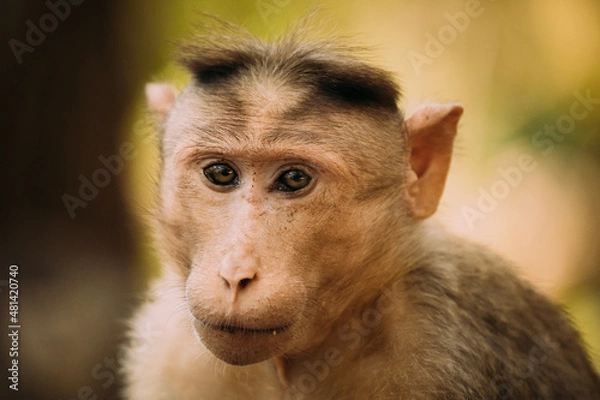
(221, 175)
(292, 181)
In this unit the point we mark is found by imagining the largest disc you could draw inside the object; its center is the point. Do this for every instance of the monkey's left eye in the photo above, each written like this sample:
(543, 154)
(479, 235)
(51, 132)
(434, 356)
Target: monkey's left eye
(221, 175)
(292, 181)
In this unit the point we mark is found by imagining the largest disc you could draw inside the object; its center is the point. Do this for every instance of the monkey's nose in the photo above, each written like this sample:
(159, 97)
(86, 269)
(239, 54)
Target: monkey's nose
(236, 278)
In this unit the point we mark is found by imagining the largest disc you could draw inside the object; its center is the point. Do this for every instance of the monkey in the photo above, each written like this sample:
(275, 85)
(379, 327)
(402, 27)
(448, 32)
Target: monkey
(301, 258)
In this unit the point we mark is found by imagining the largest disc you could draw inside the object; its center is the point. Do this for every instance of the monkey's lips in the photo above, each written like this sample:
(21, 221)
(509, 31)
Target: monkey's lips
(236, 329)
(243, 344)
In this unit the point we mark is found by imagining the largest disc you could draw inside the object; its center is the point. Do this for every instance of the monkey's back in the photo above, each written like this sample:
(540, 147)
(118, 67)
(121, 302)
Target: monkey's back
(500, 338)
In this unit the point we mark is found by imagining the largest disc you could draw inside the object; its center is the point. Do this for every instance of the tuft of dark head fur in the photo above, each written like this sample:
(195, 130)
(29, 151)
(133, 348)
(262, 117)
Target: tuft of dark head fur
(329, 69)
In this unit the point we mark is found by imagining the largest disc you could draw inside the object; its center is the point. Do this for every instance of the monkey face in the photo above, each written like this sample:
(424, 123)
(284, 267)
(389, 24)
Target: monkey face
(269, 223)
(278, 208)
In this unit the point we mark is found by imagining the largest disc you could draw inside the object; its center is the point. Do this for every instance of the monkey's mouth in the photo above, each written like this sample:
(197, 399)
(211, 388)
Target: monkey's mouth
(236, 329)
(239, 343)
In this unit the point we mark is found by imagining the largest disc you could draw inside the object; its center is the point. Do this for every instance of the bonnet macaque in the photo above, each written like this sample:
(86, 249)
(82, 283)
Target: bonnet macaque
(298, 258)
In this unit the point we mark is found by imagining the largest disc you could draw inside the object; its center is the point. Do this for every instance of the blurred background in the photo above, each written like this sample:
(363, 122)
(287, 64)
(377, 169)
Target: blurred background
(78, 159)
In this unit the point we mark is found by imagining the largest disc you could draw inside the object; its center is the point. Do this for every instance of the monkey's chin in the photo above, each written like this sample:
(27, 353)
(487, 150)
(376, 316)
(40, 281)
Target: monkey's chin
(238, 345)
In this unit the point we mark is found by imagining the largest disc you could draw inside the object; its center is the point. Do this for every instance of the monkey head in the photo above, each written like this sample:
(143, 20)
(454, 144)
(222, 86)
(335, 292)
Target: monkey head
(284, 168)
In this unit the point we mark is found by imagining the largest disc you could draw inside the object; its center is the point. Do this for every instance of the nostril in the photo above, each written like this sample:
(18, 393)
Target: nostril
(244, 282)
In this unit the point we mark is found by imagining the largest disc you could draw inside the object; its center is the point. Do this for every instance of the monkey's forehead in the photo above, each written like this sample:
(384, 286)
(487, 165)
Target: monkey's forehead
(271, 108)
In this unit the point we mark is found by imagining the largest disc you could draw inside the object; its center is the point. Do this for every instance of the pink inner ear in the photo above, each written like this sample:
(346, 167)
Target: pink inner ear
(160, 97)
(420, 158)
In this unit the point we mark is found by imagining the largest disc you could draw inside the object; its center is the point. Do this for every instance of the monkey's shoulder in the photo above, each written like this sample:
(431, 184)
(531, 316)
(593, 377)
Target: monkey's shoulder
(479, 314)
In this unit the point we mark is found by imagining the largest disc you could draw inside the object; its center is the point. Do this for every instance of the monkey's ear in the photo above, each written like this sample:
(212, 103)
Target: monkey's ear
(431, 132)
(160, 97)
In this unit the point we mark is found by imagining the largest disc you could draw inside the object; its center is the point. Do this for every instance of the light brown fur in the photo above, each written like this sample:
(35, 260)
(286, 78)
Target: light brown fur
(342, 290)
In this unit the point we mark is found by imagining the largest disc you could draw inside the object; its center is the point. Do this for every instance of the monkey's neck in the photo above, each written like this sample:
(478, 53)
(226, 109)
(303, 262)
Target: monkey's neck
(349, 340)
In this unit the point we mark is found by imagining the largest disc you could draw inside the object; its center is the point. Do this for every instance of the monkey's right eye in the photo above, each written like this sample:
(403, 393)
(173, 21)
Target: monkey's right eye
(221, 175)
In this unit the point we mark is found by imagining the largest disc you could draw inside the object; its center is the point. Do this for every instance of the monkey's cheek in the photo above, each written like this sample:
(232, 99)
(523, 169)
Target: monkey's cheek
(242, 348)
